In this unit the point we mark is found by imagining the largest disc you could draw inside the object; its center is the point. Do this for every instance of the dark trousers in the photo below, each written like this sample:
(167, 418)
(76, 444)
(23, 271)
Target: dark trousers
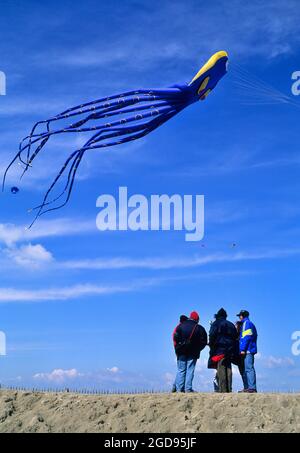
(224, 376)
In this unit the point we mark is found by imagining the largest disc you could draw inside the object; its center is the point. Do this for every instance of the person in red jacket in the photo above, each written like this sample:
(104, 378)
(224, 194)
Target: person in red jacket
(190, 339)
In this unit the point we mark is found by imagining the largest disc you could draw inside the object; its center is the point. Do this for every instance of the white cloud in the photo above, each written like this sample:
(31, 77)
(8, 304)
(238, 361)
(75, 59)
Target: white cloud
(30, 256)
(113, 370)
(102, 379)
(11, 234)
(58, 375)
(278, 362)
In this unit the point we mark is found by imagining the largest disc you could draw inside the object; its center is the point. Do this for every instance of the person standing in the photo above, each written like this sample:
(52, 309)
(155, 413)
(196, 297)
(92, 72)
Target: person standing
(190, 339)
(248, 349)
(181, 320)
(240, 361)
(223, 342)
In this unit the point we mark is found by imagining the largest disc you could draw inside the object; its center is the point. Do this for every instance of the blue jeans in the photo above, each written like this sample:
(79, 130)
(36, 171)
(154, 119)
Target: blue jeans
(185, 374)
(249, 374)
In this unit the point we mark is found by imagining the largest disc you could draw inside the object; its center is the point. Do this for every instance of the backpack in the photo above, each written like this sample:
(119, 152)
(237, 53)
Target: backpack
(183, 348)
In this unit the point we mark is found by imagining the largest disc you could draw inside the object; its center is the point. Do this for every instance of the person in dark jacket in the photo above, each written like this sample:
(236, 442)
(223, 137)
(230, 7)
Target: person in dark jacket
(181, 320)
(190, 339)
(223, 342)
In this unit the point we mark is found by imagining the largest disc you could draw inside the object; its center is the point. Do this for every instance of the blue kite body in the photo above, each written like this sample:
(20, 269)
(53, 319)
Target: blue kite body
(125, 117)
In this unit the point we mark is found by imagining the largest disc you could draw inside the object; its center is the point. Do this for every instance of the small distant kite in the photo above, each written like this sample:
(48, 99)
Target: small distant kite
(138, 113)
(233, 245)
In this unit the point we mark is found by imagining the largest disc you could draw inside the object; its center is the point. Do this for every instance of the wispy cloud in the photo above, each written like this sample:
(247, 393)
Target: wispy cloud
(16, 295)
(237, 160)
(29, 106)
(24, 347)
(278, 24)
(60, 294)
(177, 262)
(11, 234)
(122, 55)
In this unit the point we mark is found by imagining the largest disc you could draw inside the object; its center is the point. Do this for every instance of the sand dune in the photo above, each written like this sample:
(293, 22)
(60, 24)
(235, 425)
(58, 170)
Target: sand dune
(151, 413)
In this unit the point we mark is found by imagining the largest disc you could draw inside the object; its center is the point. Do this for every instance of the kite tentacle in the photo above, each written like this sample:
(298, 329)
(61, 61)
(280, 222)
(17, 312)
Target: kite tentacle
(73, 157)
(137, 131)
(106, 108)
(94, 116)
(29, 145)
(150, 95)
(65, 188)
(149, 111)
(156, 92)
(117, 110)
(18, 156)
(120, 103)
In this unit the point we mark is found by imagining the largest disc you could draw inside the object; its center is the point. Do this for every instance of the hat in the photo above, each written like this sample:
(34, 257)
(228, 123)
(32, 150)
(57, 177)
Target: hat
(183, 318)
(221, 313)
(244, 313)
(194, 316)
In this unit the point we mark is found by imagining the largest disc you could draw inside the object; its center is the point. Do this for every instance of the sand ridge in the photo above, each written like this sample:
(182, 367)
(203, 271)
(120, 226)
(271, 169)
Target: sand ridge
(149, 413)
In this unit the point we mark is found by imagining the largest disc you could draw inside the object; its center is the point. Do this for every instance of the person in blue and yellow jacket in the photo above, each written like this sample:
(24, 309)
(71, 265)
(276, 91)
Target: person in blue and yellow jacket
(248, 349)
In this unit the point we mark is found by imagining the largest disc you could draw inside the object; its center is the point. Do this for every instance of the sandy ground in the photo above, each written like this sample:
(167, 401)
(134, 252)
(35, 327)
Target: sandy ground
(150, 413)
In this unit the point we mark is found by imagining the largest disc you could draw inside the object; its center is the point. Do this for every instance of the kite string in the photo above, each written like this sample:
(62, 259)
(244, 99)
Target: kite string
(260, 92)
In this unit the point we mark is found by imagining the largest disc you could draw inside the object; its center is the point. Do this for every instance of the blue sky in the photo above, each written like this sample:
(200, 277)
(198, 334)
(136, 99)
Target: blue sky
(100, 307)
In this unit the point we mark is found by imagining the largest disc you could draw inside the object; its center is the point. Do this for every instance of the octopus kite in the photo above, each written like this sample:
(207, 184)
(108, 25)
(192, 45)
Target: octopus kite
(114, 120)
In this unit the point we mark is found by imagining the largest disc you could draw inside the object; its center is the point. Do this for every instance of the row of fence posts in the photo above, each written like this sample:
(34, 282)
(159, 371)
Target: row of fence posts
(83, 391)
